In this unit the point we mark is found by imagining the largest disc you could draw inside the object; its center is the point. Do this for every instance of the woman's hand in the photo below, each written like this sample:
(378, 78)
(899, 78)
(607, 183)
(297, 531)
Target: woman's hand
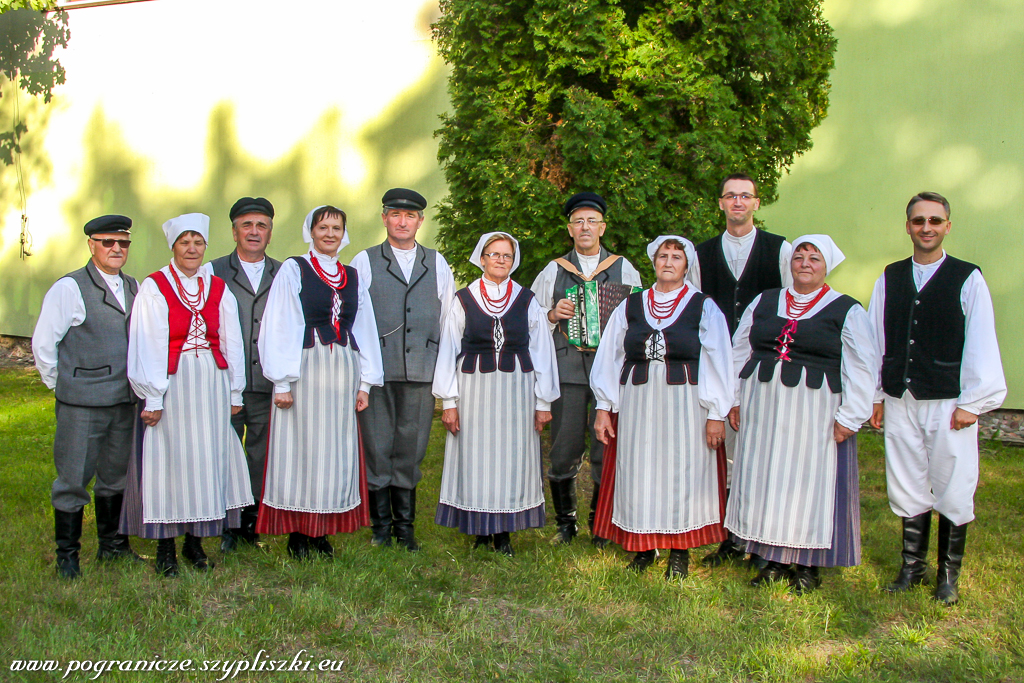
(603, 426)
(734, 419)
(877, 416)
(715, 433)
(235, 410)
(362, 401)
(841, 433)
(450, 420)
(151, 417)
(541, 418)
(283, 401)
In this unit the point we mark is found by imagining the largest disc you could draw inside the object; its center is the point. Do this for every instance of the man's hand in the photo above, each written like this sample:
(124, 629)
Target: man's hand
(603, 426)
(151, 417)
(877, 416)
(450, 420)
(714, 431)
(362, 401)
(235, 410)
(283, 401)
(841, 433)
(734, 418)
(961, 419)
(563, 310)
(541, 418)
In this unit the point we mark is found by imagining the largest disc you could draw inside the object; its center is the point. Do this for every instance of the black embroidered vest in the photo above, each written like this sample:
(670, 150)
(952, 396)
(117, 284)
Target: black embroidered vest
(478, 339)
(317, 299)
(681, 340)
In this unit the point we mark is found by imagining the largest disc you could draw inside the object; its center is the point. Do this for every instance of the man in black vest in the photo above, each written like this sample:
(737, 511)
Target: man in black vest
(249, 273)
(81, 351)
(935, 332)
(733, 268)
(411, 288)
(574, 412)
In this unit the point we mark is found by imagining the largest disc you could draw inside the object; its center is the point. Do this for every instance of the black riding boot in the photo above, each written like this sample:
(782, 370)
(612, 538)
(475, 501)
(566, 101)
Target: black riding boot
(642, 560)
(247, 532)
(192, 550)
(380, 517)
(952, 541)
(915, 553)
(67, 532)
(403, 512)
(166, 557)
(563, 497)
(678, 564)
(112, 545)
(597, 541)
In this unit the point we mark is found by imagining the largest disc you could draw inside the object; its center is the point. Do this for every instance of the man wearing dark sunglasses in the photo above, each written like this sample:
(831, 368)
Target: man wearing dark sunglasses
(80, 345)
(935, 331)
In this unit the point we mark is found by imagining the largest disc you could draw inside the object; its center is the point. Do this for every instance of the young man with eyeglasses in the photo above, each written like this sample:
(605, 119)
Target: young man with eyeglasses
(573, 414)
(935, 332)
(733, 268)
(80, 345)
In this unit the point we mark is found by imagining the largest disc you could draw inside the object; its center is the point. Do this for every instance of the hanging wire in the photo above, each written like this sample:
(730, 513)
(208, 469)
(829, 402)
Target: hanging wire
(26, 235)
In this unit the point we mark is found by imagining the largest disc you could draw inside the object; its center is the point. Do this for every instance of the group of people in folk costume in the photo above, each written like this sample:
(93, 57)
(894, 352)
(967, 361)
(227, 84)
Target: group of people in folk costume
(722, 403)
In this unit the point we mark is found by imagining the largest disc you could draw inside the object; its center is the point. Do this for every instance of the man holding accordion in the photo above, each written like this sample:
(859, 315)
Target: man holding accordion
(573, 414)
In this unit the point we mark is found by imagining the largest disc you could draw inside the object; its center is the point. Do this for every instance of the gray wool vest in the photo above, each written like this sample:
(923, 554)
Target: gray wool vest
(408, 314)
(92, 358)
(574, 365)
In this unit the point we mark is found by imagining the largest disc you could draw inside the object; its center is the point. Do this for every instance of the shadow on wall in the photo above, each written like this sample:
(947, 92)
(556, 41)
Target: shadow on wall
(398, 149)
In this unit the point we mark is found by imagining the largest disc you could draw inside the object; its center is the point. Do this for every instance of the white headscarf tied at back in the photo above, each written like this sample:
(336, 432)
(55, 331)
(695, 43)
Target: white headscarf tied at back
(829, 251)
(478, 252)
(307, 228)
(195, 222)
(688, 248)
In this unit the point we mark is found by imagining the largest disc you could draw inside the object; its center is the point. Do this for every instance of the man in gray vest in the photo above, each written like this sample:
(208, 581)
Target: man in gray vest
(411, 288)
(573, 414)
(80, 345)
(249, 272)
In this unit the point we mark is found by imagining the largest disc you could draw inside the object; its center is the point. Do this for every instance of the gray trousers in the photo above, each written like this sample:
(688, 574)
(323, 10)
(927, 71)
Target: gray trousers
(572, 418)
(252, 424)
(90, 442)
(395, 430)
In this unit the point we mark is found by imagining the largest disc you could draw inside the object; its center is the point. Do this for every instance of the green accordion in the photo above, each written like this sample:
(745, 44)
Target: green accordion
(594, 304)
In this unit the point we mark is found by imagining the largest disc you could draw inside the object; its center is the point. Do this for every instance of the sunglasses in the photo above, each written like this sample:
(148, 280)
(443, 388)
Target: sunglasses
(108, 243)
(931, 220)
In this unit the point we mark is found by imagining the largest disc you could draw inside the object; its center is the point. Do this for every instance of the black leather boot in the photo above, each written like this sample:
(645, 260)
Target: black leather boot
(915, 553)
(166, 557)
(678, 564)
(112, 545)
(805, 579)
(380, 517)
(597, 541)
(298, 545)
(192, 550)
(772, 572)
(642, 560)
(403, 513)
(247, 532)
(503, 543)
(728, 551)
(952, 542)
(321, 545)
(67, 532)
(563, 497)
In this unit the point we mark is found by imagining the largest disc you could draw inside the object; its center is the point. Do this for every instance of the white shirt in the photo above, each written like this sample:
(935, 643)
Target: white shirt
(406, 260)
(982, 383)
(254, 272)
(542, 346)
(63, 308)
(859, 366)
(283, 327)
(543, 286)
(715, 379)
(149, 337)
(737, 250)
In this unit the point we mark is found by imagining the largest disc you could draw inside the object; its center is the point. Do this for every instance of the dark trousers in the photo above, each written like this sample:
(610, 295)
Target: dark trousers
(90, 442)
(572, 418)
(252, 424)
(395, 430)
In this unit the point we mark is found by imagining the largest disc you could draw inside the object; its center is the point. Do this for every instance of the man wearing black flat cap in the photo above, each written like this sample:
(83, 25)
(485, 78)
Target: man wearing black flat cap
(573, 414)
(249, 272)
(411, 288)
(81, 351)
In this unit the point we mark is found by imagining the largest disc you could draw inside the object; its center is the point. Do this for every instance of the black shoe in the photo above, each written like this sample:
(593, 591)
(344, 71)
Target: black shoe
(952, 543)
(380, 517)
(321, 545)
(757, 562)
(247, 532)
(642, 560)
(597, 541)
(503, 543)
(166, 557)
(192, 550)
(772, 572)
(728, 551)
(563, 498)
(111, 544)
(298, 546)
(678, 564)
(805, 579)
(915, 553)
(483, 541)
(403, 513)
(67, 532)
(229, 541)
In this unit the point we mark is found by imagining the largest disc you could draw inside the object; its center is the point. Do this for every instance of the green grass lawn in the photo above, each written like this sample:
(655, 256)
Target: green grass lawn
(448, 613)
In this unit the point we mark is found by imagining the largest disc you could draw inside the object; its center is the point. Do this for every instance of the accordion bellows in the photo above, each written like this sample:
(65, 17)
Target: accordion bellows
(594, 302)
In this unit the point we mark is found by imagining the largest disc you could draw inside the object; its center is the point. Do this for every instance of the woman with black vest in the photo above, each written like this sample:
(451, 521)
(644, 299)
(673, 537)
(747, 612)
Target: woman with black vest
(807, 366)
(664, 368)
(186, 361)
(318, 344)
(496, 377)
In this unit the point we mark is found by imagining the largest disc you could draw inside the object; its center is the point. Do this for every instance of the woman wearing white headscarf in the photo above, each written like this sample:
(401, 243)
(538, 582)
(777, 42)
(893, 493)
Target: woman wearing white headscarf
(186, 362)
(496, 376)
(807, 366)
(664, 367)
(318, 344)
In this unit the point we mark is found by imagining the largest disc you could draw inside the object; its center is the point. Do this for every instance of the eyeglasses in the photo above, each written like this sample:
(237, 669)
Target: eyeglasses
(590, 222)
(495, 256)
(746, 196)
(931, 220)
(108, 243)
